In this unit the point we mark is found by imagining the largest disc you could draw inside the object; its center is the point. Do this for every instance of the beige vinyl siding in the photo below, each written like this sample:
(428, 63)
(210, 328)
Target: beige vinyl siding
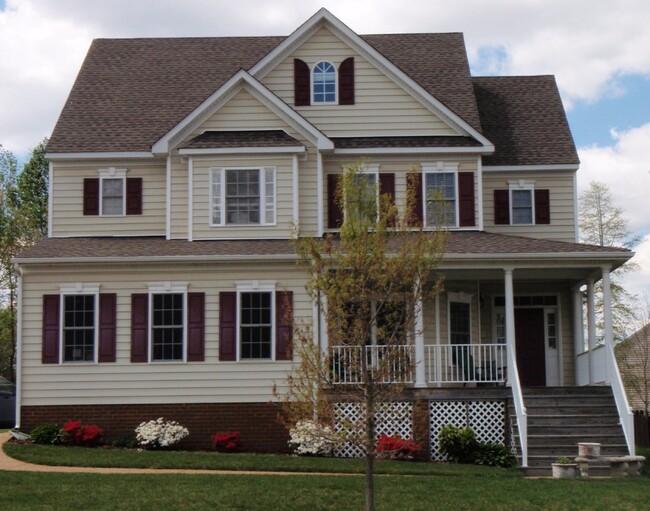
(560, 186)
(201, 216)
(401, 165)
(178, 197)
(131, 383)
(67, 201)
(243, 112)
(381, 108)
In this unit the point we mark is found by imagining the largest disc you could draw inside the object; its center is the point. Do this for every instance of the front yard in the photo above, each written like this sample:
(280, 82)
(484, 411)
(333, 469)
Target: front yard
(440, 486)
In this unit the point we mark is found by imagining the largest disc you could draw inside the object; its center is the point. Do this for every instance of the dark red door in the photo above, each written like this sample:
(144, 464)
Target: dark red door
(529, 335)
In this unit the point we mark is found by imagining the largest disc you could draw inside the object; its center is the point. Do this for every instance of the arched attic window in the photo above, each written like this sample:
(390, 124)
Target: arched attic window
(324, 83)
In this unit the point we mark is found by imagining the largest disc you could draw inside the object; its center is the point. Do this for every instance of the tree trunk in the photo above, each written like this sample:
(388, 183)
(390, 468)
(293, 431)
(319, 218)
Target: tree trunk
(370, 444)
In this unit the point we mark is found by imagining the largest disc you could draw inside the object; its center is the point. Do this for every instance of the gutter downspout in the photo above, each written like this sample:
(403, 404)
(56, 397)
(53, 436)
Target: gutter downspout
(19, 345)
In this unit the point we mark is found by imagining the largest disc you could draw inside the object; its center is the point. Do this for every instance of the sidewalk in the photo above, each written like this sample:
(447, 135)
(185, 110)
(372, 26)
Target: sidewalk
(8, 463)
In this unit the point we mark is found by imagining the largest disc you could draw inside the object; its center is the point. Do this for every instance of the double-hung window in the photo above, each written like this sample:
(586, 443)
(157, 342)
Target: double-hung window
(79, 323)
(112, 191)
(362, 201)
(242, 196)
(255, 310)
(168, 305)
(522, 204)
(441, 195)
(324, 83)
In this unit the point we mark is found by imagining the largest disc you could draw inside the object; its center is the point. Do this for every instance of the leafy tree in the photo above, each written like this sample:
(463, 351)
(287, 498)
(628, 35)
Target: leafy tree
(368, 283)
(23, 221)
(603, 223)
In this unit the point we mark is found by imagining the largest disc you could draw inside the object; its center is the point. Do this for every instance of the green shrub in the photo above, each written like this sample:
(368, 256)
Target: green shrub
(494, 455)
(458, 444)
(49, 434)
(125, 441)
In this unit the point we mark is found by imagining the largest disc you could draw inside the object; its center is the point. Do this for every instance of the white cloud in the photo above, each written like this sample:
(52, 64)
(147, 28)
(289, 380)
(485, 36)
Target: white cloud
(625, 168)
(638, 282)
(586, 45)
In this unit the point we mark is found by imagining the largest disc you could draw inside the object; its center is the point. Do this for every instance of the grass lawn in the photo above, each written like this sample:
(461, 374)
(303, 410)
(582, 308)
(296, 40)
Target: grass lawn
(449, 487)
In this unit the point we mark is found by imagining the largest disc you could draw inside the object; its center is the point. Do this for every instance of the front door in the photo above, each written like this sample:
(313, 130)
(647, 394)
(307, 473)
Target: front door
(529, 336)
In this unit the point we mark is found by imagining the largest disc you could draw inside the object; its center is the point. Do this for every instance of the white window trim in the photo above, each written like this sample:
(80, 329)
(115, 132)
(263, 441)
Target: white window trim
(458, 297)
(444, 168)
(78, 288)
(255, 286)
(161, 288)
(518, 185)
(221, 173)
(336, 84)
(112, 173)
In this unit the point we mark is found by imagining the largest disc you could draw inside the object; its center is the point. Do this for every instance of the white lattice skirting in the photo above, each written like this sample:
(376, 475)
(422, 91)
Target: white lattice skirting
(486, 418)
(394, 418)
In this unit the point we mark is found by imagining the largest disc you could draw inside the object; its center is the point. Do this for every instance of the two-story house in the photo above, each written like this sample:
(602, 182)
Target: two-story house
(177, 168)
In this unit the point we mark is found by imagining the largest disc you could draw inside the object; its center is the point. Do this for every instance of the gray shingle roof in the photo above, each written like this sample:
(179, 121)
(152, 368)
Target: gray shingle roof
(524, 118)
(470, 242)
(374, 142)
(228, 139)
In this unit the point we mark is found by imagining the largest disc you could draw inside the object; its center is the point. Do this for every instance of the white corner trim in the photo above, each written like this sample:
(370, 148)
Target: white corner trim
(97, 156)
(575, 208)
(479, 192)
(190, 198)
(295, 193)
(244, 150)
(168, 198)
(417, 150)
(19, 346)
(222, 95)
(530, 168)
(319, 194)
(351, 38)
(50, 198)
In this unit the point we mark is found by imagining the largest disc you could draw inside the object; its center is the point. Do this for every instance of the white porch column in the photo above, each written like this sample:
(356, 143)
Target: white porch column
(420, 363)
(607, 318)
(578, 329)
(510, 319)
(591, 328)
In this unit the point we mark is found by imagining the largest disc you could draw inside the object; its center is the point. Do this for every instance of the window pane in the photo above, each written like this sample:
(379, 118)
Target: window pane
(522, 209)
(216, 196)
(441, 198)
(167, 326)
(269, 195)
(324, 83)
(256, 325)
(79, 328)
(243, 196)
(112, 196)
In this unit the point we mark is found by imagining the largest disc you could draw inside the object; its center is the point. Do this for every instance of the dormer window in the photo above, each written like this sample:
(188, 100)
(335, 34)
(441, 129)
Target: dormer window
(324, 83)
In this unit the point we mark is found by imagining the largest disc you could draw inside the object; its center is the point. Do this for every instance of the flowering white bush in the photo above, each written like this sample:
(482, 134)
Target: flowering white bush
(309, 437)
(160, 433)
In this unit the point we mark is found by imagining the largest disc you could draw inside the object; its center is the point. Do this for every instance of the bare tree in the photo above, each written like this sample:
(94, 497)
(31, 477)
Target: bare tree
(633, 356)
(368, 282)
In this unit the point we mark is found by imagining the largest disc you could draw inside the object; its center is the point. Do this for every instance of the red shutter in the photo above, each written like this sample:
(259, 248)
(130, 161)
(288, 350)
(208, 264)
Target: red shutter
(334, 212)
(107, 326)
(542, 207)
(140, 327)
(346, 82)
(51, 315)
(227, 326)
(196, 327)
(466, 199)
(134, 196)
(502, 207)
(387, 187)
(283, 325)
(91, 196)
(301, 83)
(414, 203)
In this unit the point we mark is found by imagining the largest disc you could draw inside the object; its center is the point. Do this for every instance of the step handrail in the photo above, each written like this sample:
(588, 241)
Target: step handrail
(625, 413)
(520, 407)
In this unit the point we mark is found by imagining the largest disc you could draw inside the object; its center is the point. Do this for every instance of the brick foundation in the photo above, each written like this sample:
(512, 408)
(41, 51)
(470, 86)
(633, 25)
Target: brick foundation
(261, 430)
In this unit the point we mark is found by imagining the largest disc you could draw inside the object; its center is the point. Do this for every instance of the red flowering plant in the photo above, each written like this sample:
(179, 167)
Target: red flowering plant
(226, 441)
(396, 448)
(87, 435)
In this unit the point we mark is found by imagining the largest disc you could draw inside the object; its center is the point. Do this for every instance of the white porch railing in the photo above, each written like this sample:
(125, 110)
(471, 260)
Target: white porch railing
(622, 405)
(466, 363)
(387, 364)
(520, 407)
